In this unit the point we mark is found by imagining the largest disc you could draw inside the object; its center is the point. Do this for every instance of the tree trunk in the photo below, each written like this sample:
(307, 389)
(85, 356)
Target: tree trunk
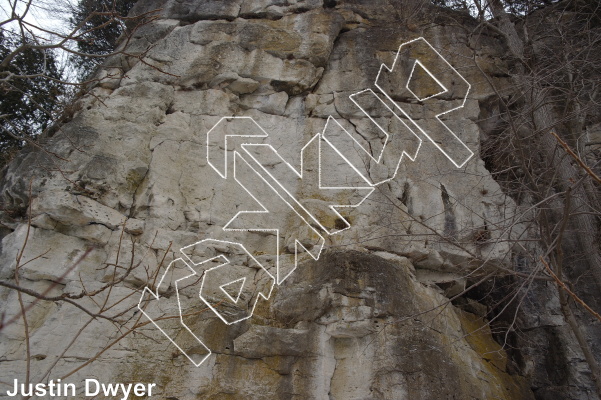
(544, 119)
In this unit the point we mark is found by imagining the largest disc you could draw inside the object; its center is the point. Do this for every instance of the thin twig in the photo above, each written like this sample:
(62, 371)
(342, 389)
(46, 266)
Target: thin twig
(42, 296)
(574, 296)
(575, 157)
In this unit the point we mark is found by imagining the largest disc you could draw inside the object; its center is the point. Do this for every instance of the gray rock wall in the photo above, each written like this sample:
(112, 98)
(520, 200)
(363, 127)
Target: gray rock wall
(129, 177)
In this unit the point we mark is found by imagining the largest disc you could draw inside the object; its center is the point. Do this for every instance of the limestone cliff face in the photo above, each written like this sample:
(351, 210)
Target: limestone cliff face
(129, 176)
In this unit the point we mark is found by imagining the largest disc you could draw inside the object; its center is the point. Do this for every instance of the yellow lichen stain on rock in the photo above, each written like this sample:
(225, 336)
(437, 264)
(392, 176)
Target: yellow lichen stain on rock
(140, 371)
(132, 180)
(479, 338)
(251, 375)
(263, 309)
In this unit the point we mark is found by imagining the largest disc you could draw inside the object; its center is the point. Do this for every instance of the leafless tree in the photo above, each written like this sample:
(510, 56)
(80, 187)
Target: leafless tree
(539, 151)
(30, 51)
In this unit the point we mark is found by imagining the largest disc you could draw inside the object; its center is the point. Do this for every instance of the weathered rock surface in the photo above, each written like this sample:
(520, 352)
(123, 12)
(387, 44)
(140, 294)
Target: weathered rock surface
(368, 320)
(349, 326)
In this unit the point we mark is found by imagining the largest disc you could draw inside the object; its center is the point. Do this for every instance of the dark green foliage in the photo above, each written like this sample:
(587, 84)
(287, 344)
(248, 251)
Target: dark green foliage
(31, 91)
(27, 104)
(102, 24)
(524, 7)
(516, 7)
